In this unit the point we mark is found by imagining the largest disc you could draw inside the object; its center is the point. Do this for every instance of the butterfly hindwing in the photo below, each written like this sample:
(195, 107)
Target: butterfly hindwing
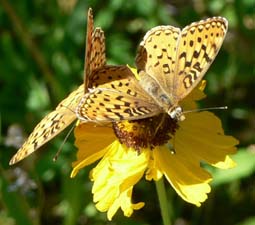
(116, 96)
(114, 105)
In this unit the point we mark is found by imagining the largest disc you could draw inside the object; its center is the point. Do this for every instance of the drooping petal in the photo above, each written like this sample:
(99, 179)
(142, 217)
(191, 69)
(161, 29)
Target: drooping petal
(114, 177)
(91, 140)
(124, 202)
(153, 172)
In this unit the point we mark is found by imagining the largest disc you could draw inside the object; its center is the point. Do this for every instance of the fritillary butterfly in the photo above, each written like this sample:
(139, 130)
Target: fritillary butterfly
(170, 62)
(56, 121)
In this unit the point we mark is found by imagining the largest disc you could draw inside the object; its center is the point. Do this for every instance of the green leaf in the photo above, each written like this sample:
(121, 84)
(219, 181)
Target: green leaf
(249, 221)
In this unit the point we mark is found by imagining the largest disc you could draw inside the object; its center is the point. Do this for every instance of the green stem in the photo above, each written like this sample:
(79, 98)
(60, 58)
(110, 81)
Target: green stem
(164, 204)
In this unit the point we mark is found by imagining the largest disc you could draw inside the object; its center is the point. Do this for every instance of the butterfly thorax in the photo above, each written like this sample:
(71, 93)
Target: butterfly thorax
(175, 112)
(153, 88)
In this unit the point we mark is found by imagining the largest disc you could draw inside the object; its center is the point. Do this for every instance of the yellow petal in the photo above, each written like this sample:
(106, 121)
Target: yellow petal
(228, 163)
(200, 138)
(134, 71)
(114, 177)
(202, 134)
(197, 94)
(189, 180)
(91, 140)
(124, 202)
(153, 171)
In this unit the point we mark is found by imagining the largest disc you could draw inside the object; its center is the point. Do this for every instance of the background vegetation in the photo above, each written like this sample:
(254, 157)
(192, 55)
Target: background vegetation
(41, 61)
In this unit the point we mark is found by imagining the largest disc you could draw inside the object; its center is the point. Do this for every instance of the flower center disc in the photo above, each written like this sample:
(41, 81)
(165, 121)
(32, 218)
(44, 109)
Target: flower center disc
(145, 133)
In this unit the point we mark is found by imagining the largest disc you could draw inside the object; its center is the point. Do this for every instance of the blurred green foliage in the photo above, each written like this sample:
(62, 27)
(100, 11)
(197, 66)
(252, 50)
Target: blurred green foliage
(41, 61)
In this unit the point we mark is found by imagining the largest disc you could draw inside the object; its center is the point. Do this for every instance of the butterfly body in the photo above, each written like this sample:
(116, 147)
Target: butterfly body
(163, 99)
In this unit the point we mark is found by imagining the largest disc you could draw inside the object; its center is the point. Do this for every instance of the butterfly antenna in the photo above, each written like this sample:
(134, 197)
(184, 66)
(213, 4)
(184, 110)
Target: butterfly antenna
(159, 125)
(68, 108)
(55, 158)
(206, 109)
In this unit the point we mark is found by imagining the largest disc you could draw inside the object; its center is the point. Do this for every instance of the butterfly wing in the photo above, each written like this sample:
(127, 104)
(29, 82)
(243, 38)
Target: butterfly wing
(64, 114)
(110, 76)
(97, 58)
(88, 47)
(51, 125)
(198, 46)
(157, 53)
(94, 51)
(117, 96)
(107, 105)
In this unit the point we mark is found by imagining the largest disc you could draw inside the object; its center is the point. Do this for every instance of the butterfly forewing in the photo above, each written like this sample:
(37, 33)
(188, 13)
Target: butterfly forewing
(51, 125)
(157, 54)
(97, 58)
(94, 51)
(88, 48)
(197, 48)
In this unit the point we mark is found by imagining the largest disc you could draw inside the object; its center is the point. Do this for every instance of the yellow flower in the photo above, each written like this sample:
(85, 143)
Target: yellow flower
(153, 147)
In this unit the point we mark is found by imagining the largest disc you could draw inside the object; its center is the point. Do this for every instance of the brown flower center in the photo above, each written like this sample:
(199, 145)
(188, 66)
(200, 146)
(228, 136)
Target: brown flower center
(146, 133)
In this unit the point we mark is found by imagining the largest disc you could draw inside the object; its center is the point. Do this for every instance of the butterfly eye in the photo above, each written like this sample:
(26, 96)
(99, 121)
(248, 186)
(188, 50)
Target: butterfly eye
(176, 113)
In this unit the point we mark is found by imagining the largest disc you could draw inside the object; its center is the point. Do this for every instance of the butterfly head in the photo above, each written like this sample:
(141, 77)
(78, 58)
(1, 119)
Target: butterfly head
(176, 113)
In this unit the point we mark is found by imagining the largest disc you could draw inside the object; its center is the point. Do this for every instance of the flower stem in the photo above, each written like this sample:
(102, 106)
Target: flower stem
(164, 204)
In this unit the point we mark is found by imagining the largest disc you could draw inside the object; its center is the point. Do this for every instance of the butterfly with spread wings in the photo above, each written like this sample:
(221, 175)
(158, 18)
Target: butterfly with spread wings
(170, 62)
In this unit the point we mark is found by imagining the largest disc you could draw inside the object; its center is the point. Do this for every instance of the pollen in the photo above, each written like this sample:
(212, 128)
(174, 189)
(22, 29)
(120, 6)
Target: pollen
(146, 133)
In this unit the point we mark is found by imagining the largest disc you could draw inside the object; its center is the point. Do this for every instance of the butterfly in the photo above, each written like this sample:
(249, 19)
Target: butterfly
(170, 63)
(56, 121)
